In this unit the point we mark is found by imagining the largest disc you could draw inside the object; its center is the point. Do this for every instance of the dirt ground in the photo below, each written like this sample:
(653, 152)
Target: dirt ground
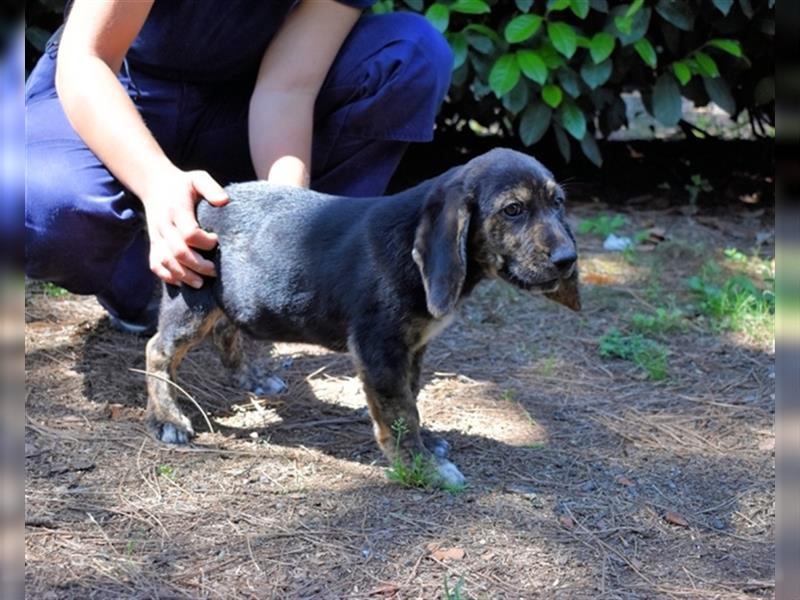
(586, 478)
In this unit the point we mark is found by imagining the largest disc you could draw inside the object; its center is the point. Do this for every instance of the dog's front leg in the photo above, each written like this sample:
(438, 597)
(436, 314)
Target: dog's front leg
(386, 368)
(439, 446)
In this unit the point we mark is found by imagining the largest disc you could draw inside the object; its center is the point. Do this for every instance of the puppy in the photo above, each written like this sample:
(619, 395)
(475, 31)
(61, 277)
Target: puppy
(378, 277)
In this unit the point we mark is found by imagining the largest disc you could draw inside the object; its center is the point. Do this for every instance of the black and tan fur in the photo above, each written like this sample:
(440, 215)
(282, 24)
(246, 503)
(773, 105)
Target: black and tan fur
(377, 277)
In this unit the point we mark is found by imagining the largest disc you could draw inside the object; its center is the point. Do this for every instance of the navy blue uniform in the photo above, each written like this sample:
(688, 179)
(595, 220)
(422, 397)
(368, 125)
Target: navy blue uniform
(191, 73)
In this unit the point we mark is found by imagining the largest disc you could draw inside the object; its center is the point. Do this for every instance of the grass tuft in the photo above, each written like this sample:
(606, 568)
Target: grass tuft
(643, 352)
(602, 225)
(734, 303)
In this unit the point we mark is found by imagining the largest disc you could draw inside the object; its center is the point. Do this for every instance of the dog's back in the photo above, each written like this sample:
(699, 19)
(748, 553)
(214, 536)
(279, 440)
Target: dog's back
(295, 265)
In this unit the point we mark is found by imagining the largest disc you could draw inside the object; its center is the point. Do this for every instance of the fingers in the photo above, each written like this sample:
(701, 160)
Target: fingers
(173, 261)
(209, 189)
(192, 234)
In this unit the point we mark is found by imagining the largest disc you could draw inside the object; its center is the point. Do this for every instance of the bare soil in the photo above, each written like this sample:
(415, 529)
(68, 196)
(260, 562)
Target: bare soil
(586, 478)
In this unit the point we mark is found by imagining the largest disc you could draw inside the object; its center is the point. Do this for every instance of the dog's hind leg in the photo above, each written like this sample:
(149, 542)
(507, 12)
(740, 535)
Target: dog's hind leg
(247, 359)
(182, 325)
(385, 369)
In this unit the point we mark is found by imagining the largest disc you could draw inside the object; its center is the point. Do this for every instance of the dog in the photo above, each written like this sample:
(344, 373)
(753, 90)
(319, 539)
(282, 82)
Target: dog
(378, 277)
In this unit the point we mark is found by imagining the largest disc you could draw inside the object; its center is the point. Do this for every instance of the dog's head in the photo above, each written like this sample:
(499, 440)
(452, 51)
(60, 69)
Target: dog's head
(504, 213)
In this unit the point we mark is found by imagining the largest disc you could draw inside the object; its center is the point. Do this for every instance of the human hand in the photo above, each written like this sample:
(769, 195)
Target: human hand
(173, 229)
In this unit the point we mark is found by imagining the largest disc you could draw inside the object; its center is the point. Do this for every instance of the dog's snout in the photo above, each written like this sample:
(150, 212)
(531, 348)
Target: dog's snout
(564, 257)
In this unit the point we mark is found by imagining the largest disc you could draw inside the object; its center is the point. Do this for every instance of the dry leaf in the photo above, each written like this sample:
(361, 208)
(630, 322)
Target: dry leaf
(675, 519)
(116, 412)
(448, 554)
(385, 589)
(566, 522)
(598, 279)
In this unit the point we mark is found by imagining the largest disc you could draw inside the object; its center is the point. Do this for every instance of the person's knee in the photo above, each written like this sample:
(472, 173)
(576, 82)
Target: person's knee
(75, 225)
(422, 42)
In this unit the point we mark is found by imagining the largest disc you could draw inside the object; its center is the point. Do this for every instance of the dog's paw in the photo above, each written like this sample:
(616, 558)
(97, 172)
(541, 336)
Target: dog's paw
(448, 475)
(270, 386)
(440, 447)
(172, 433)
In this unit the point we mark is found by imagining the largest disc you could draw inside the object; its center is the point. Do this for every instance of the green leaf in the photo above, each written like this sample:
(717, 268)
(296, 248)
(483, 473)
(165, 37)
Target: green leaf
(551, 58)
(481, 43)
(562, 141)
(563, 38)
(483, 30)
(667, 101)
(470, 7)
(624, 24)
(724, 6)
(534, 123)
(554, 5)
(524, 5)
(458, 44)
(517, 99)
(732, 47)
(532, 66)
(552, 95)
(706, 65)
(634, 8)
(596, 75)
(645, 49)
(599, 5)
(580, 8)
(601, 46)
(720, 94)
(677, 12)
(569, 82)
(573, 119)
(416, 5)
(504, 75)
(439, 16)
(590, 149)
(682, 72)
(631, 29)
(522, 28)
(747, 8)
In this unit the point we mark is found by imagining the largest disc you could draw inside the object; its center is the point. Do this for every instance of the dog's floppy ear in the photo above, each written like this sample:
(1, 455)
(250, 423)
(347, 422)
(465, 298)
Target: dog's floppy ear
(440, 246)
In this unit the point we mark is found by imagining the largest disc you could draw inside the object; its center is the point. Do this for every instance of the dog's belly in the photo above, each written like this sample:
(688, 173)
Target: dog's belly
(277, 331)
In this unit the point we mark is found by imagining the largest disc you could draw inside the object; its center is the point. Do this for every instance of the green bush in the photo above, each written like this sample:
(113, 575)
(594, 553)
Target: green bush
(529, 66)
(524, 68)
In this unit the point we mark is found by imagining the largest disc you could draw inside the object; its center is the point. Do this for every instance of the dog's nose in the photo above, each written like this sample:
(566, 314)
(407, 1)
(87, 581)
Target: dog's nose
(563, 258)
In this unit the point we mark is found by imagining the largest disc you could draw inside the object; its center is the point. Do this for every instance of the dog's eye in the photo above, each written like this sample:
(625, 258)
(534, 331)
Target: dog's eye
(513, 210)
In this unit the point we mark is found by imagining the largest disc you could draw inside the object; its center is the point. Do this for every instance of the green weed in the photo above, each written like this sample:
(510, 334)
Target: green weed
(52, 290)
(166, 471)
(455, 593)
(661, 321)
(696, 186)
(508, 395)
(735, 303)
(735, 255)
(420, 473)
(643, 352)
(602, 225)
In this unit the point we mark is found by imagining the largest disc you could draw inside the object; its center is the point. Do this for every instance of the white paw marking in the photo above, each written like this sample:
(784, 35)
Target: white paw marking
(450, 474)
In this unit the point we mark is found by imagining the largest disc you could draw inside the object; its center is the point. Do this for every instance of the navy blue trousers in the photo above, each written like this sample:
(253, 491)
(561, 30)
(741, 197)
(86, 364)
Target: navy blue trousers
(84, 231)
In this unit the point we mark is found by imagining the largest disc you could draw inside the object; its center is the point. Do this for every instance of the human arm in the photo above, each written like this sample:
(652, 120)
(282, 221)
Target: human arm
(291, 74)
(92, 48)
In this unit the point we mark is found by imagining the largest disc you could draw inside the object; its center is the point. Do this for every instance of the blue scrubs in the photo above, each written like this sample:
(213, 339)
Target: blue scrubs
(190, 73)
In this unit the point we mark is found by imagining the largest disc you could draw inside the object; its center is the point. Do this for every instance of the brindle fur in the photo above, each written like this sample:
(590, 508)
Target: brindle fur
(376, 276)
